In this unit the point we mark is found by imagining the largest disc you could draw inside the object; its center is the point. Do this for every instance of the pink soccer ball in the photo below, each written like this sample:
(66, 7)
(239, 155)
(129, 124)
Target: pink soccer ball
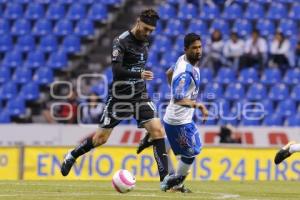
(123, 181)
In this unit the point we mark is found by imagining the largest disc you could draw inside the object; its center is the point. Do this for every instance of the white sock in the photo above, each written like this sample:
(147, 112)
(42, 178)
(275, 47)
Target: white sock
(183, 168)
(294, 148)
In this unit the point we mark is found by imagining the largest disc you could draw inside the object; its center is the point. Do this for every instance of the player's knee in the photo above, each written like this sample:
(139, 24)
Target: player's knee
(99, 139)
(157, 132)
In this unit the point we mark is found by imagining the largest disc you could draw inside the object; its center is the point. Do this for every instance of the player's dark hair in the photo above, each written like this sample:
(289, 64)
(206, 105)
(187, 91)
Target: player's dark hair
(149, 16)
(190, 38)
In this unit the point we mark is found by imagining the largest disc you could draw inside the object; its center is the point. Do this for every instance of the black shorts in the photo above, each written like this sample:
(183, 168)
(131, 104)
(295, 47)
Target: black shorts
(115, 111)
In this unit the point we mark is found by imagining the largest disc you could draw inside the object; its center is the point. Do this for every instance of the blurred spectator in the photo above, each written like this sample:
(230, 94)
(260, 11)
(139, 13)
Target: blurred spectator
(233, 49)
(226, 135)
(92, 111)
(214, 51)
(62, 111)
(255, 51)
(279, 51)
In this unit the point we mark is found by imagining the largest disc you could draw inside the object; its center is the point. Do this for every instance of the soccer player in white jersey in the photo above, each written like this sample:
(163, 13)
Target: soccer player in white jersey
(180, 129)
(286, 151)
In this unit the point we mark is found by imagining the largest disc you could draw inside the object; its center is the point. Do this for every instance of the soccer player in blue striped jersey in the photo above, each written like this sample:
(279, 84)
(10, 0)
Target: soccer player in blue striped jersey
(181, 131)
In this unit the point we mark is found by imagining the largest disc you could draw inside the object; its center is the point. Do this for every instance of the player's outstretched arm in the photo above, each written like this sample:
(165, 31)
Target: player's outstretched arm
(169, 74)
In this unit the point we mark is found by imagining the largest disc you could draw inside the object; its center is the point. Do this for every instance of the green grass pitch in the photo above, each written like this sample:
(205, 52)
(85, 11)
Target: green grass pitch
(97, 190)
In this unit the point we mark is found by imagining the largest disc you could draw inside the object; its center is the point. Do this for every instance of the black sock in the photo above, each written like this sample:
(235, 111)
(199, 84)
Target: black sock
(161, 157)
(83, 147)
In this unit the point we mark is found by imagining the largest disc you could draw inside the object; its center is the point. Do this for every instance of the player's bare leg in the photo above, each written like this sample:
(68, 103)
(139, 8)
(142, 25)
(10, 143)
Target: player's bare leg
(100, 138)
(284, 153)
(157, 134)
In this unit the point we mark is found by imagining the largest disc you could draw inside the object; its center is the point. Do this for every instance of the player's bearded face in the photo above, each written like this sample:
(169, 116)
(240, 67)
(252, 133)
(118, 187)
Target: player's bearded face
(143, 30)
(194, 51)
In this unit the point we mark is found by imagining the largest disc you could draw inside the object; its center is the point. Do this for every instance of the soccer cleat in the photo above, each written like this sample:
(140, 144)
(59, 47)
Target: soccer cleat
(144, 143)
(170, 181)
(181, 189)
(67, 164)
(283, 153)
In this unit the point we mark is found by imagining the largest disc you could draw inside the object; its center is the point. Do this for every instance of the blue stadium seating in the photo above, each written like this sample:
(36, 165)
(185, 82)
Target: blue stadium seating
(63, 28)
(233, 11)
(25, 43)
(273, 120)
(6, 43)
(4, 26)
(16, 107)
(58, 60)
(30, 91)
(167, 11)
(34, 11)
(254, 11)
(235, 91)
(187, 12)
(226, 75)
(42, 27)
(295, 94)
(257, 92)
(8, 91)
(76, 11)
(44, 76)
(286, 107)
(293, 120)
(206, 75)
(35, 59)
(279, 92)
(271, 76)
(56, 11)
(21, 27)
(12, 59)
(22, 75)
(13, 11)
(4, 75)
(248, 76)
(292, 76)
(84, 28)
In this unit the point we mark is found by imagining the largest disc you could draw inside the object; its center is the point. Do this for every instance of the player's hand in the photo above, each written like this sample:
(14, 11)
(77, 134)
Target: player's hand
(147, 75)
(204, 112)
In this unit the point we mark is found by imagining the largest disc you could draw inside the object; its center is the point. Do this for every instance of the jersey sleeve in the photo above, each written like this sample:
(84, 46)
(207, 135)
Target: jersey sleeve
(181, 86)
(117, 51)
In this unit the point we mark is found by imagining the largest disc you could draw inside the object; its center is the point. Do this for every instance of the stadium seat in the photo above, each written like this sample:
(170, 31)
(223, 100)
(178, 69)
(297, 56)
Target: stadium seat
(286, 107)
(6, 43)
(233, 11)
(166, 12)
(287, 27)
(279, 92)
(294, 12)
(235, 91)
(34, 11)
(198, 27)
(23, 2)
(16, 107)
(30, 91)
(266, 27)
(63, 28)
(66, 2)
(13, 11)
(4, 117)
(248, 76)
(210, 12)
(271, 76)
(174, 27)
(295, 94)
(162, 43)
(4, 75)
(243, 27)
(292, 76)
(252, 119)
(206, 75)
(12, 59)
(213, 91)
(35, 59)
(98, 12)
(254, 11)
(4, 26)
(25, 43)
(229, 118)
(187, 11)
(273, 120)
(48, 43)
(293, 120)
(179, 45)
(42, 27)
(87, 2)
(58, 60)
(43, 76)
(226, 75)
(221, 25)
(55, 11)
(169, 58)
(277, 11)
(84, 28)
(267, 105)
(8, 91)
(71, 44)
(152, 60)
(21, 27)
(22, 75)
(76, 11)
(256, 92)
